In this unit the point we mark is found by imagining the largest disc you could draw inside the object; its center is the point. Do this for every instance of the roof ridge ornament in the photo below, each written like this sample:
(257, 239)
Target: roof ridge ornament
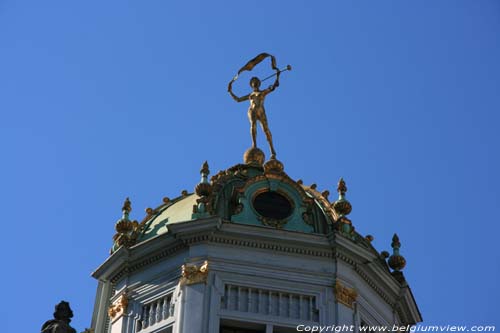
(342, 208)
(126, 230)
(396, 261)
(256, 111)
(203, 189)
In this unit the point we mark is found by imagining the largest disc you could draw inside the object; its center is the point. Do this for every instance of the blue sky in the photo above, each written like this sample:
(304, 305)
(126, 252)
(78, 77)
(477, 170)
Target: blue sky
(103, 100)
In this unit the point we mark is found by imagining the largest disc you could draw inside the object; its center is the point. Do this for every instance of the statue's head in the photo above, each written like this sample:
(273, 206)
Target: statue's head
(63, 311)
(255, 83)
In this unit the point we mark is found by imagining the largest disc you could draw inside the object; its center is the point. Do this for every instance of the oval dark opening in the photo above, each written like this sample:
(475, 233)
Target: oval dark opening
(272, 205)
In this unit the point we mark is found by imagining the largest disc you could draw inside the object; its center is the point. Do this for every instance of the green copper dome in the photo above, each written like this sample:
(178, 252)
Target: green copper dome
(252, 194)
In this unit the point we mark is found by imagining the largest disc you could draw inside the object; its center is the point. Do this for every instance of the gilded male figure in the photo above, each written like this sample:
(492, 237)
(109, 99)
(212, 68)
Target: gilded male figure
(256, 111)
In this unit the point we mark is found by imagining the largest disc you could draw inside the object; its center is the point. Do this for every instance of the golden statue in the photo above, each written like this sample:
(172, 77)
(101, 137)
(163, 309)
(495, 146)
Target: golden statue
(256, 111)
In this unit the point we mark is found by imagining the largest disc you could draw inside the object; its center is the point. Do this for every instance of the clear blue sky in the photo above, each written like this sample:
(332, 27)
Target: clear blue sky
(100, 100)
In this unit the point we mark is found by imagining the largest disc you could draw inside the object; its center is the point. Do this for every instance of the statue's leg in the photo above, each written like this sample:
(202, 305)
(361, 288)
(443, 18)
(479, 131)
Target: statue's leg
(253, 127)
(253, 130)
(265, 128)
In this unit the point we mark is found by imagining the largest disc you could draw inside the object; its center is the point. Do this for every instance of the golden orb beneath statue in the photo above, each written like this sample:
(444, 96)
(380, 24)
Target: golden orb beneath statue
(254, 156)
(273, 166)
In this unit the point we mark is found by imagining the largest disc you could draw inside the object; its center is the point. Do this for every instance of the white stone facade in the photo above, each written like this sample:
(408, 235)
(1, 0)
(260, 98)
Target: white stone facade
(257, 278)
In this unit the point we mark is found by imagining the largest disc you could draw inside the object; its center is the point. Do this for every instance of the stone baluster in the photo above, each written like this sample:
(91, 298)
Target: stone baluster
(144, 319)
(165, 308)
(151, 314)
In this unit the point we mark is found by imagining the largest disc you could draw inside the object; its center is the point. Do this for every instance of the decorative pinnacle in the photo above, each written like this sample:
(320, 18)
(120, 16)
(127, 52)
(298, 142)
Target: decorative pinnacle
(342, 207)
(205, 171)
(396, 261)
(127, 205)
(204, 188)
(123, 224)
(126, 209)
(341, 187)
(396, 244)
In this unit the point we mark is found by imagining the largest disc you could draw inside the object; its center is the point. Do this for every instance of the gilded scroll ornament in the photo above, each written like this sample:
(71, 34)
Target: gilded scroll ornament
(119, 307)
(192, 273)
(345, 295)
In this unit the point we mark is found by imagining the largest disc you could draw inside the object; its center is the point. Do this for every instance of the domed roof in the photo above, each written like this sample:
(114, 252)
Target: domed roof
(253, 194)
(177, 210)
(258, 195)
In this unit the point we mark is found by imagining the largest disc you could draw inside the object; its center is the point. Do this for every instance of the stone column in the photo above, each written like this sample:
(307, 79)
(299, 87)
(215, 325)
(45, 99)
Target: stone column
(191, 306)
(117, 314)
(345, 298)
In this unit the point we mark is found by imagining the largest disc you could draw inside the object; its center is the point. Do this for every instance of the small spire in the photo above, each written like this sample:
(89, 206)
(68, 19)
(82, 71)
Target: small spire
(396, 244)
(205, 171)
(127, 205)
(203, 189)
(396, 261)
(341, 187)
(341, 206)
(126, 209)
(126, 230)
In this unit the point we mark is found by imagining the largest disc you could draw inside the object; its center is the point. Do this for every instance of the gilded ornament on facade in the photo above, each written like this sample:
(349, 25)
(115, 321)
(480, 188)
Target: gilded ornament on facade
(119, 307)
(345, 295)
(192, 273)
(270, 222)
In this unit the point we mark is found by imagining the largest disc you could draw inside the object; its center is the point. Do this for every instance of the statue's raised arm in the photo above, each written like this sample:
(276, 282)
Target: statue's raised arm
(236, 98)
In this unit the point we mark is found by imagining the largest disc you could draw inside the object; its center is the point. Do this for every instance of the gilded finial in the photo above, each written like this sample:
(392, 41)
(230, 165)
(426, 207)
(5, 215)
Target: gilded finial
(341, 187)
(203, 190)
(341, 206)
(395, 242)
(396, 261)
(126, 230)
(313, 186)
(204, 169)
(127, 206)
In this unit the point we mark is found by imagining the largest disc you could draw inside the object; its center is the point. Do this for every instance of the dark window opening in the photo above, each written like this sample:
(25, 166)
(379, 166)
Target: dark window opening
(272, 205)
